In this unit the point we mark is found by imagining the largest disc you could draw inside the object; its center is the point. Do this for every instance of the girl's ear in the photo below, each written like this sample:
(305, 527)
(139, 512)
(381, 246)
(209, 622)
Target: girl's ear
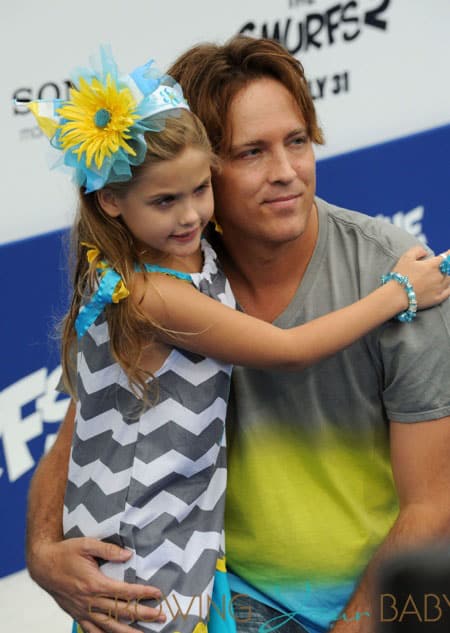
(109, 202)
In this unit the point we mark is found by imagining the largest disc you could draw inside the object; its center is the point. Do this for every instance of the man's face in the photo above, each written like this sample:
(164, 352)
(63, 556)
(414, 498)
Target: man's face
(266, 187)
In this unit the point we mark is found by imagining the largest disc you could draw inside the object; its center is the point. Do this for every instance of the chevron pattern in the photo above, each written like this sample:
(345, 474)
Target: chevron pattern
(153, 479)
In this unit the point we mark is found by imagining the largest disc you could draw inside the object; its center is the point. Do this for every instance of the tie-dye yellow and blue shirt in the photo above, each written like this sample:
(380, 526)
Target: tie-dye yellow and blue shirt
(310, 488)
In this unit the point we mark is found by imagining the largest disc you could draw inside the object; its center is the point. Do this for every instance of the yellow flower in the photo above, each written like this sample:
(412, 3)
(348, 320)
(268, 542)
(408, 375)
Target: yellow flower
(120, 291)
(98, 119)
(92, 252)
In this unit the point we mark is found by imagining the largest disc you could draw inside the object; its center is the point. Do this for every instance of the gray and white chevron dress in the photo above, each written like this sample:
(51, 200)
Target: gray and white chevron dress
(154, 480)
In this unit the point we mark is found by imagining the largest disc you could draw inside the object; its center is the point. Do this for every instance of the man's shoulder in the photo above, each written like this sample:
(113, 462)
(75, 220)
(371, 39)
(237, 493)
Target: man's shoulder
(355, 227)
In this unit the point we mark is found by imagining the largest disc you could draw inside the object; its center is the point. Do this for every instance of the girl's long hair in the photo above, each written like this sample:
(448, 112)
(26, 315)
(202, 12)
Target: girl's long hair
(131, 331)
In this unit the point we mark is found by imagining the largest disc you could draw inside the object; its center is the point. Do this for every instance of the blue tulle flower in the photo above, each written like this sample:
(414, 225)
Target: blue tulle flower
(101, 128)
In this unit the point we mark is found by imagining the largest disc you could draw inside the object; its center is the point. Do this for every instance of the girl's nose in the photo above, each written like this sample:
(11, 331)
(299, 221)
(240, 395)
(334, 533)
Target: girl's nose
(188, 215)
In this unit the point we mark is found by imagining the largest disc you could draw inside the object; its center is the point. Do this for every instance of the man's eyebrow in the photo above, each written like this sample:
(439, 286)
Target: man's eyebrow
(299, 130)
(251, 143)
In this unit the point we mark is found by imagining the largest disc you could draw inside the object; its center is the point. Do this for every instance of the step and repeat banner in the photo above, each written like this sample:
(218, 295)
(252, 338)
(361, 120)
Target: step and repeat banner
(377, 71)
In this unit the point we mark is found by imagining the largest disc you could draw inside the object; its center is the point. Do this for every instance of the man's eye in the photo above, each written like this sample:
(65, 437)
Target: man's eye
(249, 153)
(299, 140)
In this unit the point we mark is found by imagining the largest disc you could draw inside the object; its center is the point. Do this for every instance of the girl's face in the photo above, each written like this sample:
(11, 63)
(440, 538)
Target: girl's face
(168, 206)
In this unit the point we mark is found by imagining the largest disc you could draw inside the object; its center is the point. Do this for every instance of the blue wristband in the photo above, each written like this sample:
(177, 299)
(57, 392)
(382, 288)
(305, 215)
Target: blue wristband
(408, 315)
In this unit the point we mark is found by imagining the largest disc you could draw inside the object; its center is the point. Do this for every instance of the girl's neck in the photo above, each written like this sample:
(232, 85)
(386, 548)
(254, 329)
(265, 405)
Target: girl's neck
(192, 263)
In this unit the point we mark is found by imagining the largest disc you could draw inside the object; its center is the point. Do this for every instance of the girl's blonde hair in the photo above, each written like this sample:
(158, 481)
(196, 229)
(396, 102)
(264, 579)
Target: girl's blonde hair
(130, 330)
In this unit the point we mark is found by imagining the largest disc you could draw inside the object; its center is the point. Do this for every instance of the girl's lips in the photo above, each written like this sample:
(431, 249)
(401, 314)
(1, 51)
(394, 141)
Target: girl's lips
(185, 237)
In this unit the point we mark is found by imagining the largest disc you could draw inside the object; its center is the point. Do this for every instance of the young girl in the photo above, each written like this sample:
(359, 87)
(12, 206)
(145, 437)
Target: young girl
(156, 335)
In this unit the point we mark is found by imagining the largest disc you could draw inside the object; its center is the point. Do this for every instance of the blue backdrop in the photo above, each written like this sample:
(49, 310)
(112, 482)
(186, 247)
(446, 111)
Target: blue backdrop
(403, 180)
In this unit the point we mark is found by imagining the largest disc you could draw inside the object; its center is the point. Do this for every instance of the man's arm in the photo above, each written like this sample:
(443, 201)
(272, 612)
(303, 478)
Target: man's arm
(68, 570)
(46, 494)
(420, 456)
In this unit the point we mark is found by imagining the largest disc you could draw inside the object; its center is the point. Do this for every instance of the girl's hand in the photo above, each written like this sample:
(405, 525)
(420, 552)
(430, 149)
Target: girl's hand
(430, 284)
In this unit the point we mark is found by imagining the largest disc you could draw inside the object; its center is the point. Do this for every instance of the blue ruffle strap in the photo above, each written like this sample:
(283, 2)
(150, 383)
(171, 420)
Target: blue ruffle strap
(97, 303)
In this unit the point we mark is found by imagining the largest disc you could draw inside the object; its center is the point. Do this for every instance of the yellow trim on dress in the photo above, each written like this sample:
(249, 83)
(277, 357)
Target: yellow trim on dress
(221, 564)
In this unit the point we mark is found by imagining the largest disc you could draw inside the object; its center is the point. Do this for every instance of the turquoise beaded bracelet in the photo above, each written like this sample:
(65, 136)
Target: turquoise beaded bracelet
(445, 264)
(408, 315)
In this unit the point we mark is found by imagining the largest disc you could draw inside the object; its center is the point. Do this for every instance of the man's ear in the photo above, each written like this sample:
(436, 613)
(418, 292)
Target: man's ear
(109, 202)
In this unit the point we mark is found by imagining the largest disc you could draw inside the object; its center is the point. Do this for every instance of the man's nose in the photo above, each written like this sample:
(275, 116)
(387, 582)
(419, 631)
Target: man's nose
(281, 168)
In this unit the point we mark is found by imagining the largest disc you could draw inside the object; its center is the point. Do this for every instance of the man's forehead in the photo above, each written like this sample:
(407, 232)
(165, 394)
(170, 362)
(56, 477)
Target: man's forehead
(270, 131)
(263, 106)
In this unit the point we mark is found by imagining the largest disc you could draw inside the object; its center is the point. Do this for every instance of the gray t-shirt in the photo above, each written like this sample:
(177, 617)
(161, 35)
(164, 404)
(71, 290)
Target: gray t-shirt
(310, 491)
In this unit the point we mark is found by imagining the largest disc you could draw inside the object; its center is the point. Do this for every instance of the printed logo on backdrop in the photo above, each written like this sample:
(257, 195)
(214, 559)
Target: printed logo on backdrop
(26, 405)
(313, 29)
(47, 90)
(341, 22)
(410, 221)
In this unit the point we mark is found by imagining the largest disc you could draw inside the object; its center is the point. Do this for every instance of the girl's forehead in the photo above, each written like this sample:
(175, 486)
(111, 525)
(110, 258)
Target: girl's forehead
(191, 165)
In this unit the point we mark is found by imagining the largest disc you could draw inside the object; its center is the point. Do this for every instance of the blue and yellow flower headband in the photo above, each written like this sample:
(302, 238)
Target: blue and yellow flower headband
(101, 128)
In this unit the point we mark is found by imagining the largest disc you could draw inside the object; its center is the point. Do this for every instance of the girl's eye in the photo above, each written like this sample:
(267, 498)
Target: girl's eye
(202, 188)
(163, 202)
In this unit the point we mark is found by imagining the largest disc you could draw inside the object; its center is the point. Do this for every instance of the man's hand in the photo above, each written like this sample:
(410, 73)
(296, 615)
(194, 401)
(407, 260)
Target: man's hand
(98, 603)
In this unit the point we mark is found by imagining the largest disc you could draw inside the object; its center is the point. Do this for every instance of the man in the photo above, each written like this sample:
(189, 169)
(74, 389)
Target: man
(332, 469)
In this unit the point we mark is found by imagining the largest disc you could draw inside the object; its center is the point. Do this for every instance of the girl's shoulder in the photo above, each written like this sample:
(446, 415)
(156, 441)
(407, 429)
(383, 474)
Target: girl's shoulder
(166, 292)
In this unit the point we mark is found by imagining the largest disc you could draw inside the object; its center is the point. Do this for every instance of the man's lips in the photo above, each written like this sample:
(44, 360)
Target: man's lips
(287, 198)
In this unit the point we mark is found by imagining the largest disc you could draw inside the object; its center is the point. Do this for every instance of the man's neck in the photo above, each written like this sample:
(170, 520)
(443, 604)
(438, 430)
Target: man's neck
(265, 276)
